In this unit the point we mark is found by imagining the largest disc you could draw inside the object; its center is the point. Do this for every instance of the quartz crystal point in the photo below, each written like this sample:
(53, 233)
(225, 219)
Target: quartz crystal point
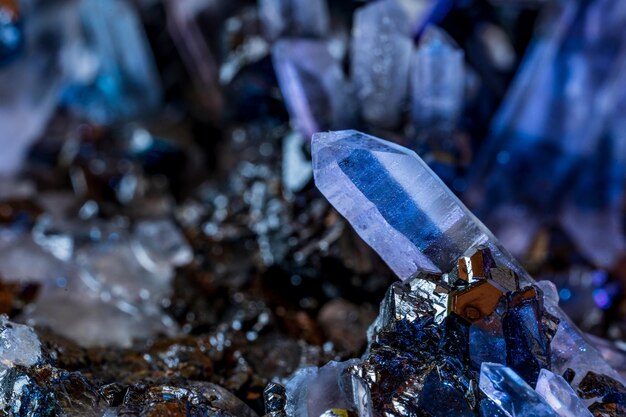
(118, 77)
(313, 85)
(381, 50)
(557, 143)
(560, 396)
(397, 204)
(514, 396)
(299, 18)
(437, 86)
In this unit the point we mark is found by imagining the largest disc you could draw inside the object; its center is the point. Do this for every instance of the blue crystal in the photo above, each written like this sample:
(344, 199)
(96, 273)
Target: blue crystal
(119, 78)
(557, 145)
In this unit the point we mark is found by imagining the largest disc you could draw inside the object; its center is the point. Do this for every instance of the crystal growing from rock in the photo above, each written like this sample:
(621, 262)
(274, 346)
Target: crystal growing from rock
(381, 51)
(560, 396)
(514, 396)
(396, 203)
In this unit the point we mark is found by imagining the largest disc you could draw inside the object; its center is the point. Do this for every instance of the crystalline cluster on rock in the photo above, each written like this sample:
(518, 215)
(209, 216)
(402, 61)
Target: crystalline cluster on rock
(437, 86)
(511, 393)
(118, 77)
(294, 18)
(468, 332)
(314, 87)
(381, 50)
(556, 153)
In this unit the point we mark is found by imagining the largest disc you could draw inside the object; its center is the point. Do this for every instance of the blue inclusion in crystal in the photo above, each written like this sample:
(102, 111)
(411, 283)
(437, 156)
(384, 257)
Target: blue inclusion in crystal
(403, 216)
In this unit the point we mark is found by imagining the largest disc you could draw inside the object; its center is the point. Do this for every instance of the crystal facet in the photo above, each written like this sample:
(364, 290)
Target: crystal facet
(560, 396)
(514, 396)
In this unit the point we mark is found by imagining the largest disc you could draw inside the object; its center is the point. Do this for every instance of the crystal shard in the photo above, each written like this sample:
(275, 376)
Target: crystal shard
(437, 86)
(560, 396)
(380, 61)
(514, 396)
(396, 203)
(313, 85)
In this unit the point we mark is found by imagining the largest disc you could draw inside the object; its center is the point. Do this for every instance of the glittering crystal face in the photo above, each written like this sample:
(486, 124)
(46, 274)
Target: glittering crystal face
(395, 202)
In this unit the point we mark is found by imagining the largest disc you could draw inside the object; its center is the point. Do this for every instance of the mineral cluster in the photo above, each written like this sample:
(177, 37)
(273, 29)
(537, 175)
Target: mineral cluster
(473, 337)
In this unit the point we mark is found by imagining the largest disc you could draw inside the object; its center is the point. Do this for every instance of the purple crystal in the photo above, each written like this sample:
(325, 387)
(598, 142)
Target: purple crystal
(313, 85)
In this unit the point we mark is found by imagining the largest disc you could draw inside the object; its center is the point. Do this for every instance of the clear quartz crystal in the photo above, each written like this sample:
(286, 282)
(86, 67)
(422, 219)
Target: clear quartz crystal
(19, 345)
(511, 393)
(313, 85)
(397, 204)
(381, 50)
(312, 391)
(437, 85)
(159, 245)
(560, 396)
